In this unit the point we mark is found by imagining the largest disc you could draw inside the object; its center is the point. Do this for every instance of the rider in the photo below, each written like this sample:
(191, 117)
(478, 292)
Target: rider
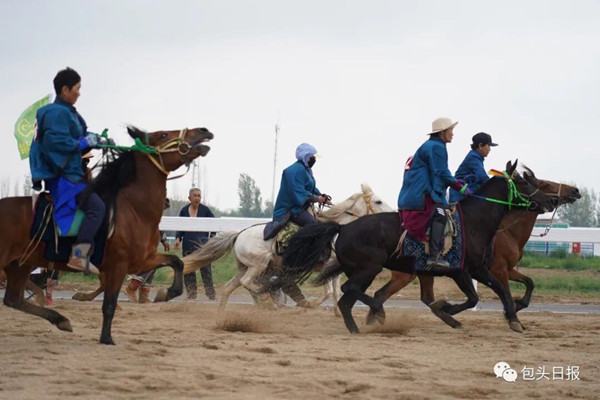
(298, 189)
(471, 170)
(422, 199)
(55, 157)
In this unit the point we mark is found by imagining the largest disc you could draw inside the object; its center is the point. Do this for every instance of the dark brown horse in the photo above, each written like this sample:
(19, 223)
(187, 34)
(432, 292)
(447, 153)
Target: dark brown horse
(509, 241)
(134, 187)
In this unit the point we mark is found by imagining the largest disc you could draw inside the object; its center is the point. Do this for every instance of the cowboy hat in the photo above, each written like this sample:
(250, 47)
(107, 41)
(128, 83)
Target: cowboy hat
(441, 124)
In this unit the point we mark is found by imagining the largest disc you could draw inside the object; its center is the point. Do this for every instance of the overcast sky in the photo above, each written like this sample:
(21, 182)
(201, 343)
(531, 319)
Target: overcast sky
(360, 80)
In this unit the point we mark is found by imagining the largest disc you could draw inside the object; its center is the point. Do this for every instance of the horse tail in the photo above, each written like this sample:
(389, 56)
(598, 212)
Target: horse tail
(216, 247)
(310, 246)
(328, 274)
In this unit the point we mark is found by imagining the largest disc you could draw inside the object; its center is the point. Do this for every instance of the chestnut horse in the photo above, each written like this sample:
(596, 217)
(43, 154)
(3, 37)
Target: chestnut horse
(133, 186)
(509, 241)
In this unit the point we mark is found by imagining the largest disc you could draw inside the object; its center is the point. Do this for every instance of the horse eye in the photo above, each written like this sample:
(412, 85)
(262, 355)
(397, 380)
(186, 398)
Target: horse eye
(379, 202)
(163, 136)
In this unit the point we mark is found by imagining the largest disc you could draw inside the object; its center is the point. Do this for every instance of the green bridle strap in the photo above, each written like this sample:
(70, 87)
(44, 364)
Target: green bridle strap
(138, 146)
(513, 194)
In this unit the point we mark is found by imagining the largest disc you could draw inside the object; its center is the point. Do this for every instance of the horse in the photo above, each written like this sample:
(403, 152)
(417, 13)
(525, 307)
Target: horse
(133, 187)
(254, 255)
(369, 244)
(508, 243)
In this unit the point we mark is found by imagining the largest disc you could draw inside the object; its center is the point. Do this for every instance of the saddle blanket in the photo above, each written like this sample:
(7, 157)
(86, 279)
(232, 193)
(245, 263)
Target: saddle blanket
(455, 256)
(57, 248)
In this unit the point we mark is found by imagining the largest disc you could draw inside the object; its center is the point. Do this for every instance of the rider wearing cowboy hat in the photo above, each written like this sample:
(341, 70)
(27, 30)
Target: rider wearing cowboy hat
(422, 199)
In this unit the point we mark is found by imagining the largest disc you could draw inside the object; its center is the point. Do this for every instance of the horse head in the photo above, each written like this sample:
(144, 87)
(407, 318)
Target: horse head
(174, 148)
(538, 200)
(359, 204)
(561, 193)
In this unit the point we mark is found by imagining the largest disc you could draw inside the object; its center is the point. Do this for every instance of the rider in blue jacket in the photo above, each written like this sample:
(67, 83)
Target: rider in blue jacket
(298, 189)
(55, 158)
(471, 170)
(422, 198)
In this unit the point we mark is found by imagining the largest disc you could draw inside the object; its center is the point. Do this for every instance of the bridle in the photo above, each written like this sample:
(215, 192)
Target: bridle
(177, 144)
(549, 226)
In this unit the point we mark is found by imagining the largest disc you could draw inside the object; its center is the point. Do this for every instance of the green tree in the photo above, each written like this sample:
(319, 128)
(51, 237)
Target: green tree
(585, 212)
(250, 198)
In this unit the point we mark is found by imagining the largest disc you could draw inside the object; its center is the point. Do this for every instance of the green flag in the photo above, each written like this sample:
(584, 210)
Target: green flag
(25, 126)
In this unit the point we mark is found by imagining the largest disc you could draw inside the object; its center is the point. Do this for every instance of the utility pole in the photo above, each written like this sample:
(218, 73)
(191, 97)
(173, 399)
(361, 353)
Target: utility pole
(275, 163)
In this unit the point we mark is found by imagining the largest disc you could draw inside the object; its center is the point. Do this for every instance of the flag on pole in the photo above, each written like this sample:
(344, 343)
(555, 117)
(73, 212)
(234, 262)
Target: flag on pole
(25, 126)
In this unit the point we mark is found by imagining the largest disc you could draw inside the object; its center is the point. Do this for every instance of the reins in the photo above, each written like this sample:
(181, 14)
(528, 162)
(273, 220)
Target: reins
(513, 194)
(177, 144)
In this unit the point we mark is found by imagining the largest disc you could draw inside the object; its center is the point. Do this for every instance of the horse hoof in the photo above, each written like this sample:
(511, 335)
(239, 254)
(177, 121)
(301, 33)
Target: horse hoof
(80, 296)
(380, 317)
(65, 326)
(438, 305)
(516, 326)
(161, 296)
(107, 341)
(371, 318)
(337, 312)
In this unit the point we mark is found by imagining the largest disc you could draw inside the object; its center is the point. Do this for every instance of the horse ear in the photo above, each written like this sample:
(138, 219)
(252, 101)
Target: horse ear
(136, 133)
(510, 168)
(366, 189)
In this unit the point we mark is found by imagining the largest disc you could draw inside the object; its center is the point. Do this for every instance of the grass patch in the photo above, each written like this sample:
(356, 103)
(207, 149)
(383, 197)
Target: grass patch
(568, 262)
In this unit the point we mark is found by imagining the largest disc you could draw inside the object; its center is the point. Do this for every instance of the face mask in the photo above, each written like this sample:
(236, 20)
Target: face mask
(311, 161)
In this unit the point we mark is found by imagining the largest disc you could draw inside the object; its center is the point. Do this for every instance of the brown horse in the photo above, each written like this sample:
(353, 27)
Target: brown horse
(509, 241)
(133, 186)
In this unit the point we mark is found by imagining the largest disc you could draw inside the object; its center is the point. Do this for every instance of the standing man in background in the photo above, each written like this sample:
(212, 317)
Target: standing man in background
(191, 242)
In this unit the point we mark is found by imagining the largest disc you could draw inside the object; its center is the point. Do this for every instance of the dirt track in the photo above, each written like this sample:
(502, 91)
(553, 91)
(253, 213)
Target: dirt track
(185, 350)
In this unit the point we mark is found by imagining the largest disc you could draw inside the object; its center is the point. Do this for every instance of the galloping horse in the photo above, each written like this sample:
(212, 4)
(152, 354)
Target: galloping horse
(367, 245)
(254, 255)
(508, 243)
(133, 185)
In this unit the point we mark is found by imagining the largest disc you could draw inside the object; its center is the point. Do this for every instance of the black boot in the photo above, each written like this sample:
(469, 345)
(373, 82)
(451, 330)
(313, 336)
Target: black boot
(436, 244)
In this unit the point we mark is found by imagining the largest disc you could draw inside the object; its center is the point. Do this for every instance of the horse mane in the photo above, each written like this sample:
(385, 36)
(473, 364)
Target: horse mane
(115, 174)
(339, 208)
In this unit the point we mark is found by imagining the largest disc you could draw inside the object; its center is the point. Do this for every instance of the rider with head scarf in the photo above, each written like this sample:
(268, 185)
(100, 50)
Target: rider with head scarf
(298, 190)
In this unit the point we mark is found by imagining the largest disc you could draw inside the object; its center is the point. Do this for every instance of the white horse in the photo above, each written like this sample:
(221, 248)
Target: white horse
(254, 255)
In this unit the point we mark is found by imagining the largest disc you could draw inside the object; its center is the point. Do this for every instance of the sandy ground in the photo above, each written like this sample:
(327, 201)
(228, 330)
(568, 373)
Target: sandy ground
(189, 351)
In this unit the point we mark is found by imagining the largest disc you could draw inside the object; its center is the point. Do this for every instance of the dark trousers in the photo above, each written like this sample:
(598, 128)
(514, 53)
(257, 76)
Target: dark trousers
(303, 219)
(94, 210)
(206, 274)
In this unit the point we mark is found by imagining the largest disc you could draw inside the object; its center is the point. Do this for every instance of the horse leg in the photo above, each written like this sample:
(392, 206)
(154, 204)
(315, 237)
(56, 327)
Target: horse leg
(14, 297)
(516, 276)
(38, 293)
(398, 281)
(112, 286)
(484, 276)
(89, 296)
(248, 281)
(176, 288)
(444, 310)
(354, 289)
(232, 285)
(337, 294)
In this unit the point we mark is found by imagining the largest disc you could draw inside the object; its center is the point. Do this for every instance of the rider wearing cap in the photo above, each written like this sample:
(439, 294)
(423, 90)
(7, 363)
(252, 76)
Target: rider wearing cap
(422, 199)
(471, 170)
(298, 189)
(56, 158)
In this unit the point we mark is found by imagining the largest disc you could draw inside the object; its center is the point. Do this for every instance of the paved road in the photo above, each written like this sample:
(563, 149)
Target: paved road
(392, 303)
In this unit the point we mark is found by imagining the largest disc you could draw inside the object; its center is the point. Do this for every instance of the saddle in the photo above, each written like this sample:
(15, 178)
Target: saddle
(58, 244)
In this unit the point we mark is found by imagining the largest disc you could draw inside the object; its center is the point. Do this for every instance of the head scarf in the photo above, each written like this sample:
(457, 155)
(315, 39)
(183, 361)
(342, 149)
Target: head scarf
(304, 152)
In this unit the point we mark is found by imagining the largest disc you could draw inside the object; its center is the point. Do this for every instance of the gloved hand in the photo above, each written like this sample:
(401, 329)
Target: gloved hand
(92, 139)
(106, 141)
(464, 190)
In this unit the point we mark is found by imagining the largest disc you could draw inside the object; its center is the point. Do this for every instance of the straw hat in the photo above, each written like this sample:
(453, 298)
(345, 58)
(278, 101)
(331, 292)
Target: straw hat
(441, 124)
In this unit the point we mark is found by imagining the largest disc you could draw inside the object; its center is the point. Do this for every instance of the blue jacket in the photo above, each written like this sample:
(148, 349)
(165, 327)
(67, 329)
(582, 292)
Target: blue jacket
(192, 240)
(56, 148)
(297, 189)
(426, 173)
(471, 172)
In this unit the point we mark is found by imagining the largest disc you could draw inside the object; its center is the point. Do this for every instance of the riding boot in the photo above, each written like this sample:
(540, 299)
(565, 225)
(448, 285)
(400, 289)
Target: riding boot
(295, 294)
(131, 290)
(436, 243)
(144, 295)
(80, 259)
